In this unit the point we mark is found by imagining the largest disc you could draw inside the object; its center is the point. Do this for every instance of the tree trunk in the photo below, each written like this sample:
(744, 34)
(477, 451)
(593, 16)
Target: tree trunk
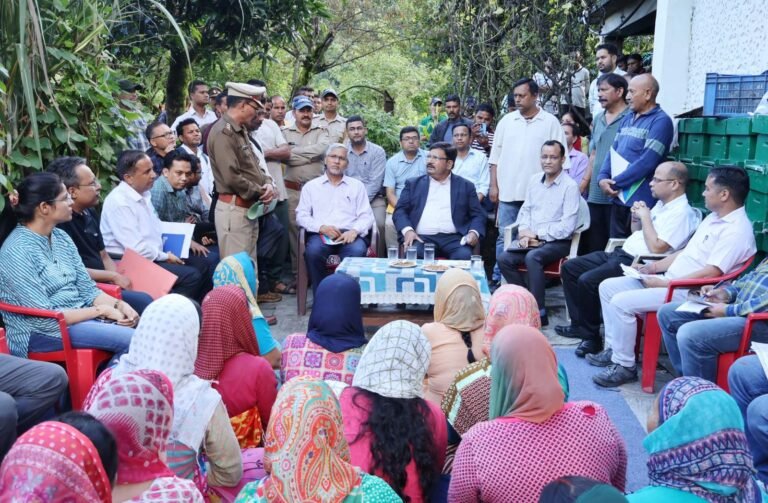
(176, 84)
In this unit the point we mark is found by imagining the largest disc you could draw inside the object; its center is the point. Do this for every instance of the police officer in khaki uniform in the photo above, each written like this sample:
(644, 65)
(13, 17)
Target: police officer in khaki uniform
(308, 142)
(240, 180)
(330, 118)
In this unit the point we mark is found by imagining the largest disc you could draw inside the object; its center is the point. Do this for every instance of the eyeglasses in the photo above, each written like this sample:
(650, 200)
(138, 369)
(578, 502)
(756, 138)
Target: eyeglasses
(659, 180)
(250, 103)
(169, 134)
(336, 157)
(431, 157)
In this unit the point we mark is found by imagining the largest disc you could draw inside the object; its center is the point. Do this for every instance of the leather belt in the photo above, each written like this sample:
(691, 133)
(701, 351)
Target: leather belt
(293, 185)
(239, 201)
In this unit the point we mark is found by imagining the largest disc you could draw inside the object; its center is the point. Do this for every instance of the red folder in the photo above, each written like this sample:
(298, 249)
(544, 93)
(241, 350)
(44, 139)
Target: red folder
(145, 275)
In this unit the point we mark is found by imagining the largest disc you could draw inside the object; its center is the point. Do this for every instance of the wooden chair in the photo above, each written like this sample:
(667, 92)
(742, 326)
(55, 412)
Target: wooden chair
(302, 275)
(553, 270)
(652, 342)
(81, 364)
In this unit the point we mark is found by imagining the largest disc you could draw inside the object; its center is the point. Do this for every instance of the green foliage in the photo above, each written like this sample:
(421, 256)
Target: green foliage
(383, 129)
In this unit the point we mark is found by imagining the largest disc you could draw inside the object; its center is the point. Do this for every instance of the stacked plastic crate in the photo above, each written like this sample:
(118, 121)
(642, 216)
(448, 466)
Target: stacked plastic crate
(743, 141)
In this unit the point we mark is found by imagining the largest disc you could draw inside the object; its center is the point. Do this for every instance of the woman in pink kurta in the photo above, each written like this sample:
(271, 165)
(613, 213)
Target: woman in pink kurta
(392, 431)
(533, 437)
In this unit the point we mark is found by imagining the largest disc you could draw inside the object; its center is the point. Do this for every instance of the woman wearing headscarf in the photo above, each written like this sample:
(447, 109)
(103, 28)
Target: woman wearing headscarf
(698, 449)
(580, 490)
(238, 270)
(533, 436)
(306, 455)
(228, 356)
(335, 336)
(137, 407)
(392, 431)
(456, 336)
(166, 340)
(54, 462)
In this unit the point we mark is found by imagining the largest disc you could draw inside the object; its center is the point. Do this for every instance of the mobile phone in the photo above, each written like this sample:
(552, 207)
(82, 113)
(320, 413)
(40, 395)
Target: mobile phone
(484, 129)
(105, 320)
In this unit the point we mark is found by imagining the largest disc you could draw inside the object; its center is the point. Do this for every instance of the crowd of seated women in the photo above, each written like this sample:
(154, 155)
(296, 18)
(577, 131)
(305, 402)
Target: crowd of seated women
(202, 404)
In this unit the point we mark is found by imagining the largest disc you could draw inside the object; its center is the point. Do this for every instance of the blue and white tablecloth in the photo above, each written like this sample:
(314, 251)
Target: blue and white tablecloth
(381, 284)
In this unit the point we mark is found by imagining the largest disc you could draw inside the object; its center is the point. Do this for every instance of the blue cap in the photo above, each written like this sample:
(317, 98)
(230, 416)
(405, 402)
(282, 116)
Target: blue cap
(300, 102)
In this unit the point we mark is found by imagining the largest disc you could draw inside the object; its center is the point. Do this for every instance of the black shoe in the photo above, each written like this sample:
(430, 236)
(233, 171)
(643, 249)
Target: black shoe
(568, 331)
(589, 346)
(601, 359)
(616, 375)
(544, 320)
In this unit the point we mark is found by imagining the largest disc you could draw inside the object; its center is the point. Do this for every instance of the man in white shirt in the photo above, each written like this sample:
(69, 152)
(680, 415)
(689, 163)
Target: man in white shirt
(335, 211)
(198, 108)
(188, 132)
(663, 229)
(606, 55)
(470, 164)
(721, 244)
(578, 86)
(129, 221)
(515, 154)
(440, 208)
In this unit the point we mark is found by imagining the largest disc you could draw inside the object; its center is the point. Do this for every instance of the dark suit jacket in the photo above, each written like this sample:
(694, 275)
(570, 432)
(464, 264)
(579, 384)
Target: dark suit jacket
(466, 210)
(439, 132)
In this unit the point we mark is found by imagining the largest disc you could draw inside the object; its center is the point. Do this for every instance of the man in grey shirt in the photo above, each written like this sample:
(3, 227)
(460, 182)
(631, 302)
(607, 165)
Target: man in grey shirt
(546, 222)
(367, 162)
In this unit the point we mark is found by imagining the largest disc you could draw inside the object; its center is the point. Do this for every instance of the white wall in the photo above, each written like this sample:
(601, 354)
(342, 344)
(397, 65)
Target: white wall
(721, 36)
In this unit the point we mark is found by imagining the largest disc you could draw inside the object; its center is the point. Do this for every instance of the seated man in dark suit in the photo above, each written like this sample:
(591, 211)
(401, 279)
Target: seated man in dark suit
(440, 208)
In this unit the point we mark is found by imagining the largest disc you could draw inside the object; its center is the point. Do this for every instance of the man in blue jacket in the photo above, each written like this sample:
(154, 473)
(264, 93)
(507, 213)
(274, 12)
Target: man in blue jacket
(641, 144)
(440, 208)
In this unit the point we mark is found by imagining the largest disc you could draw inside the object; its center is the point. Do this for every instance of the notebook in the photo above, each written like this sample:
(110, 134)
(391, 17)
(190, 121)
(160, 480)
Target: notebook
(145, 275)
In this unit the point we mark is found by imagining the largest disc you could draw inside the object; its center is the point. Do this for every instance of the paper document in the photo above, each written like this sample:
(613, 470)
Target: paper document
(145, 275)
(692, 307)
(631, 272)
(331, 241)
(761, 350)
(618, 166)
(177, 238)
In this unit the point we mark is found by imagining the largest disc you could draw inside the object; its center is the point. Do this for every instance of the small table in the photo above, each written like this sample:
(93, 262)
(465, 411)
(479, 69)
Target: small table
(384, 286)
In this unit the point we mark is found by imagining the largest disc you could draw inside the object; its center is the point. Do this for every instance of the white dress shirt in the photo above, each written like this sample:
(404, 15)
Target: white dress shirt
(436, 217)
(673, 222)
(208, 117)
(474, 167)
(516, 151)
(725, 243)
(206, 173)
(344, 206)
(128, 220)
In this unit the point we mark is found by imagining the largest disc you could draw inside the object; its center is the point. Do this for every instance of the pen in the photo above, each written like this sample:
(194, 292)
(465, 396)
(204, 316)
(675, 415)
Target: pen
(717, 285)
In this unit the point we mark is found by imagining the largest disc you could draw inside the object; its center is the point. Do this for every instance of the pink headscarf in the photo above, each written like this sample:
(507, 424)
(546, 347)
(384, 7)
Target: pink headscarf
(54, 462)
(137, 407)
(510, 304)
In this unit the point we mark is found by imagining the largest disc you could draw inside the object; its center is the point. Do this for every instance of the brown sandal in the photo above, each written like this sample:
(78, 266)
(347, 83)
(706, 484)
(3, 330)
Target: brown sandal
(284, 289)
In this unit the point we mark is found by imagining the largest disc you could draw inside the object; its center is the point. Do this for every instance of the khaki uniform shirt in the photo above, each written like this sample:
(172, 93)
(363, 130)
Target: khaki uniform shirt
(235, 167)
(307, 153)
(337, 128)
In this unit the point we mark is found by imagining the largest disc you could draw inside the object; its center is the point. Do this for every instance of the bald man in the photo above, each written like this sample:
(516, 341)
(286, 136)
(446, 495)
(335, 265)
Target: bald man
(641, 144)
(664, 228)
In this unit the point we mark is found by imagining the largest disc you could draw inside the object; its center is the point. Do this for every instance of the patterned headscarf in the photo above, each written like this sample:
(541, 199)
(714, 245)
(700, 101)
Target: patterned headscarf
(524, 377)
(700, 446)
(395, 362)
(166, 340)
(510, 304)
(336, 321)
(238, 270)
(226, 331)
(306, 454)
(457, 301)
(54, 462)
(137, 407)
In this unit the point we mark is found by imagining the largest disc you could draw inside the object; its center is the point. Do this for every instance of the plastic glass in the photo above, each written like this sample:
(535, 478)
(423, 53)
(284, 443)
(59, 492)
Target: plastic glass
(429, 253)
(476, 264)
(392, 252)
(410, 253)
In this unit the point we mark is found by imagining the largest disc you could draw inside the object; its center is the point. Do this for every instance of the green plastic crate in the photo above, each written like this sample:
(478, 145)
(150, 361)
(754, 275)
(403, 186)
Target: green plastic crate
(716, 147)
(694, 191)
(760, 124)
(757, 206)
(738, 125)
(761, 239)
(695, 146)
(697, 171)
(695, 125)
(761, 148)
(713, 125)
(758, 178)
(741, 147)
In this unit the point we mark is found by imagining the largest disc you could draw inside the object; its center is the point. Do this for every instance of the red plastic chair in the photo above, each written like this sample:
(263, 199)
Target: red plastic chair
(725, 360)
(3, 343)
(302, 275)
(652, 342)
(81, 364)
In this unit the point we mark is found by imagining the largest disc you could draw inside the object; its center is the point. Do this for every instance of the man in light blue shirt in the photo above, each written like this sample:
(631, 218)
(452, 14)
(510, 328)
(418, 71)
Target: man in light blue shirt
(410, 162)
(470, 164)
